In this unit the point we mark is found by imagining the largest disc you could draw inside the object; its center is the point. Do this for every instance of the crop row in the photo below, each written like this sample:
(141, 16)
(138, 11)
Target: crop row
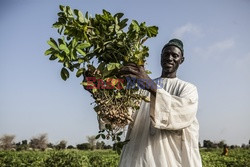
(235, 158)
(65, 158)
(108, 158)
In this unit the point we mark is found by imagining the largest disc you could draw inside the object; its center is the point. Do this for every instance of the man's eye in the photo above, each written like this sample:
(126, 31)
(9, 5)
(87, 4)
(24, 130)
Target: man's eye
(165, 55)
(175, 56)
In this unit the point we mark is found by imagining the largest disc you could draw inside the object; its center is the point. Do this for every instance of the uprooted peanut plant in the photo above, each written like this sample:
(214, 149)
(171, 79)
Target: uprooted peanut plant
(97, 47)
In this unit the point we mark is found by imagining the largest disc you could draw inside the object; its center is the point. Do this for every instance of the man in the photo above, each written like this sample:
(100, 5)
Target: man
(165, 131)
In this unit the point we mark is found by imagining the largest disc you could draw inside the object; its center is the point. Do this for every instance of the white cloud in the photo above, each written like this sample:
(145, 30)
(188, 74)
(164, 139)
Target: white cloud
(216, 49)
(221, 45)
(187, 29)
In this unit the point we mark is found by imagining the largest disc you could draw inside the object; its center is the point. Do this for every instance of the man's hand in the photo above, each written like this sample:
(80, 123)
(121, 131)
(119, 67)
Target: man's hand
(138, 72)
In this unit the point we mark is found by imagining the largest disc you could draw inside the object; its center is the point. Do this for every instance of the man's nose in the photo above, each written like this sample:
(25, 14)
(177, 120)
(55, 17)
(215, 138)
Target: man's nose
(170, 57)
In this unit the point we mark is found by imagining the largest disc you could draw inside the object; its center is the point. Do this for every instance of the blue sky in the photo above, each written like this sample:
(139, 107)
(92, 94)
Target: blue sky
(34, 99)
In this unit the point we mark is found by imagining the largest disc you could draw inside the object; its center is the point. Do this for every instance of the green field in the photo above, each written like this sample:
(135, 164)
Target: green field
(236, 158)
(108, 158)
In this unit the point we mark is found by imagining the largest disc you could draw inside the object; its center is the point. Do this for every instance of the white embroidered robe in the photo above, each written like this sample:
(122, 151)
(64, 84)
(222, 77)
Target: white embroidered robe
(165, 131)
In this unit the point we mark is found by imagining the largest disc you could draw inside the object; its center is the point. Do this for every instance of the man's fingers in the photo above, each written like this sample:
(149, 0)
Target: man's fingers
(130, 67)
(128, 70)
(129, 75)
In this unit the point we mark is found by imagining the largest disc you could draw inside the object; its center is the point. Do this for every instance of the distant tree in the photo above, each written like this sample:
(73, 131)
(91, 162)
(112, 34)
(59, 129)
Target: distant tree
(234, 146)
(50, 145)
(22, 145)
(108, 147)
(39, 142)
(100, 145)
(24, 142)
(70, 147)
(62, 145)
(207, 144)
(243, 146)
(18, 146)
(221, 144)
(7, 142)
(92, 142)
(83, 146)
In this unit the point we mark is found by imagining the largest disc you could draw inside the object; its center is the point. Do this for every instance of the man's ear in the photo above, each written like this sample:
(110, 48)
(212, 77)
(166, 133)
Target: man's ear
(182, 60)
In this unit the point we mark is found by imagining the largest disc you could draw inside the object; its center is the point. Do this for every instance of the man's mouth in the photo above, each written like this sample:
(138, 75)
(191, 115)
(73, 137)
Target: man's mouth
(169, 65)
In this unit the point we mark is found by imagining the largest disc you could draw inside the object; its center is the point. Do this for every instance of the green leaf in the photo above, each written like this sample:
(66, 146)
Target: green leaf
(64, 48)
(60, 30)
(107, 126)
(59, 56)
(106, 73)
(135, 25)
(52, 43)
(61, 41)
(120, 43)
(138, 55)
(52, 57)
(84, 83)
(80, 17)
(81, 52)
(101, 66)
(83, 45)
(112, 66)
(73, 55)
(123, 23)
(61, 7)
(75, 11)
(148, 72)
(64, 74)
(76, 65)
(61, 20)
(74, 42)
(80, 72)
(118, 15)
(118, 139)
(103, 136)
(57, 25)
(67, 64)
(106, 13)
(98, 136)
(87, 15)
(111, 28)
(152, 31)
(117, 28)
(119, 134)
(49, 51)
(80, 60)
(69, 11)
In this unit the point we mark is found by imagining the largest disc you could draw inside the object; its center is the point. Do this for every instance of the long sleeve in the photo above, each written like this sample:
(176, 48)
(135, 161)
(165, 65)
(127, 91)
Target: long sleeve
(174, 112)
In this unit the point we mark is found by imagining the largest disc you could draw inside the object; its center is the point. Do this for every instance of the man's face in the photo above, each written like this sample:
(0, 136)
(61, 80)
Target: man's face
(171, 58)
